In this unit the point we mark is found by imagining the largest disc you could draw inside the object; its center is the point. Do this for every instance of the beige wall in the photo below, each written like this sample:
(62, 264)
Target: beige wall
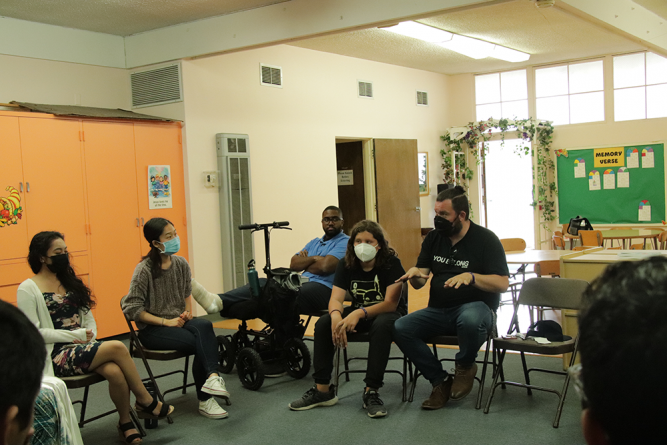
(292, 133)
(42, 81)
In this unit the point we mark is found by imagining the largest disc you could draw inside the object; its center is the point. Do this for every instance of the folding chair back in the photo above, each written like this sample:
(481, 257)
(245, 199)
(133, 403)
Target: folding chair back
(591, 238)
(548, 268)
(558, 294)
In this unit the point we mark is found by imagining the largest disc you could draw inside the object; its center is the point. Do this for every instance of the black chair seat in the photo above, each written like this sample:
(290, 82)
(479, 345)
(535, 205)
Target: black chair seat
(518, 345)
(81, 381)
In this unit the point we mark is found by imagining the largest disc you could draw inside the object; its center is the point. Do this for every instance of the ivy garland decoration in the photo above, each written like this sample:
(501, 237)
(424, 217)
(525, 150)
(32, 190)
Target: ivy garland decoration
(462, 140)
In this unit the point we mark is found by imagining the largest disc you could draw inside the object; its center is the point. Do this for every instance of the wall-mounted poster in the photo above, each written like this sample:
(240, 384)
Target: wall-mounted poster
(647, 158)
(579, 168)
(422, 162)
(159, 187)
(594, 180)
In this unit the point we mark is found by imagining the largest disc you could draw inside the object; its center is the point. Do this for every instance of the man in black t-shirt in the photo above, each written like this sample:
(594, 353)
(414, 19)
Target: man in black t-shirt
(469, 273)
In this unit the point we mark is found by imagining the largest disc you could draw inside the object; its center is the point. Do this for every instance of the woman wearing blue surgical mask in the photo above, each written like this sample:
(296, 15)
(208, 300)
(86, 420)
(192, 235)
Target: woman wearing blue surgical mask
(158, 302)
(60, 304)
(368, 273)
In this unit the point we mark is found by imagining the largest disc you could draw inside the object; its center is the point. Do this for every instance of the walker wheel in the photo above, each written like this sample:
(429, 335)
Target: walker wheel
(250, 368)
(297, 357)
(227, 354)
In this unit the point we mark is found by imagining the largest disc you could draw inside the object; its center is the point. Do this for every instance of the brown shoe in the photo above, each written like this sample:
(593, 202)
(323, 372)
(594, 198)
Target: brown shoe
(439, 395)
(463, 380)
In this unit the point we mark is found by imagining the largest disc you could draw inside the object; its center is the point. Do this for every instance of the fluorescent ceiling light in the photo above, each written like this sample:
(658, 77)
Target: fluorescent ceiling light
(477, 49)
(474, 48)
(421, 32)
(508, 54)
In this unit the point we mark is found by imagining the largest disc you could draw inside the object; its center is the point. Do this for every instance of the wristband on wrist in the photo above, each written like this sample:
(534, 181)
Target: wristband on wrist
(365, 312)
(336, 310)
(473, 277)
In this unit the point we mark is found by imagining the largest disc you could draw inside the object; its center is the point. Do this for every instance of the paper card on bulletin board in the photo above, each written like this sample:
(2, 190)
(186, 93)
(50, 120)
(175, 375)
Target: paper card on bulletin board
(159, 187)
(619, 205)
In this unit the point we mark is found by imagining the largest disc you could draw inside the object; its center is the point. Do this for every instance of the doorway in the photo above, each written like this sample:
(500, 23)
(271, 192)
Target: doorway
(507, 190)
(351, 193)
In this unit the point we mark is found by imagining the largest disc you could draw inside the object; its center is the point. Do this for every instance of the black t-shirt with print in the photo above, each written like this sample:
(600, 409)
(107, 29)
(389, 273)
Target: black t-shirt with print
(369, 288)
(479, 251)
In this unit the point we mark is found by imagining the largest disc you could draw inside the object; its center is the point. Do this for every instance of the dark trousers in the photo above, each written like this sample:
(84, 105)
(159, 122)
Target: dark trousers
(312, 298)
(195, 337)
(379, 332)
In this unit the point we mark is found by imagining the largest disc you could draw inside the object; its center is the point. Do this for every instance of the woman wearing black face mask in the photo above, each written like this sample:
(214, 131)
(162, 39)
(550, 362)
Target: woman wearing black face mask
(59, 304)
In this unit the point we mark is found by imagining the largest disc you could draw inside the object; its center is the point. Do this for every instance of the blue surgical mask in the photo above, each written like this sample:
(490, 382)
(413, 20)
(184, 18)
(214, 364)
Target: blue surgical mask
(171, 247)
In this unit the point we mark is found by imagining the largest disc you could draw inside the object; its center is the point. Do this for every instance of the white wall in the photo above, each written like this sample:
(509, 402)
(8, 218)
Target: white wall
(42, 81)
(292, 134)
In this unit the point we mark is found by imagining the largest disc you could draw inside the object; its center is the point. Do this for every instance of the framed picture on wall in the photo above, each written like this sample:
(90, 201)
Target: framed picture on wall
(422, 162)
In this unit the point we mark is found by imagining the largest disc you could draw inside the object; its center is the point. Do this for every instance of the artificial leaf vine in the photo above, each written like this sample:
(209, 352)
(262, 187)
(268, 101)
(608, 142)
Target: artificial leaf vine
(473, 139)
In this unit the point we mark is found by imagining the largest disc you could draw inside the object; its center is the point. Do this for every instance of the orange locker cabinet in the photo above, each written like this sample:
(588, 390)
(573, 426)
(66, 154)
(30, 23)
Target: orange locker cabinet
(87, 179)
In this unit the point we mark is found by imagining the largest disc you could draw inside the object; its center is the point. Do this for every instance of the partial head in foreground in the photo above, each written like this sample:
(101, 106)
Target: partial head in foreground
(623, 333)
(23, 354)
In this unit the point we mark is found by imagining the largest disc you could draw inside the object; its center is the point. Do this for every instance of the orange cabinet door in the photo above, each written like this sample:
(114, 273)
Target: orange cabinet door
(160, 144)
(13, 225)
(115, 232)
(54, 182)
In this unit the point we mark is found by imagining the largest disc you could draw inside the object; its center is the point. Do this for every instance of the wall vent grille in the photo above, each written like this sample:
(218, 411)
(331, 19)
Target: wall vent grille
(365, 89)
(422, 98)
(271, 76)
(156, 86)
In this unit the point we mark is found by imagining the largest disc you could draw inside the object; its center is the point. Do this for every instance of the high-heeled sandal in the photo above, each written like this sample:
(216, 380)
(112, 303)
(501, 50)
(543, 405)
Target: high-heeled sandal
(134, 439)
(146, 412)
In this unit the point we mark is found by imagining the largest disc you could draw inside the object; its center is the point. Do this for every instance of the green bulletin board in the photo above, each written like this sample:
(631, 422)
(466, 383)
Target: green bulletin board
(617, 205)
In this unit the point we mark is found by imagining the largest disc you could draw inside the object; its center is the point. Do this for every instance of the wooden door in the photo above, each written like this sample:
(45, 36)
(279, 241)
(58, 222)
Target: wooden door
(397, 185)
(13, 223)
(54, 181)
(160, 144)
(113, 209)
(351, 198)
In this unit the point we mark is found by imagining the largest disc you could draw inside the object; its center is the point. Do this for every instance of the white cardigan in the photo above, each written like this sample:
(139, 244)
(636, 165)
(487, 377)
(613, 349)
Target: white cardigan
(31, 301)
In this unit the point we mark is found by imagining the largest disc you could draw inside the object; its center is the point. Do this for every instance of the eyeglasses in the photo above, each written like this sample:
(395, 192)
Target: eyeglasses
(333, 219)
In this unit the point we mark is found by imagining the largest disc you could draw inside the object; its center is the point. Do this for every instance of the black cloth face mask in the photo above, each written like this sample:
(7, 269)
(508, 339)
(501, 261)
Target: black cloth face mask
(445, 227)
(59, 263)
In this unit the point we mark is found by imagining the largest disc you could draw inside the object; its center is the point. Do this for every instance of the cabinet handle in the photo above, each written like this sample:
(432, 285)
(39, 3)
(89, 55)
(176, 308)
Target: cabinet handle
(137, 222)
(21, 187)
(142, 222)
(28, 186)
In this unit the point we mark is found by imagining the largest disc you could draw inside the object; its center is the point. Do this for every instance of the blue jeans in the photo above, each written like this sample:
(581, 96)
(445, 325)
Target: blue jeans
(469, 321)
(195, 337)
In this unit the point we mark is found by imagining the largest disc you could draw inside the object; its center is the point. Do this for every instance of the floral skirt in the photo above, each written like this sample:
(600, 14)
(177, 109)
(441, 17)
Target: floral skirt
(73, 359)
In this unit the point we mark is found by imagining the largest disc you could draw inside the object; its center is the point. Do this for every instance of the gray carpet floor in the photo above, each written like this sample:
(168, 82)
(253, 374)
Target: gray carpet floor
(263, 417)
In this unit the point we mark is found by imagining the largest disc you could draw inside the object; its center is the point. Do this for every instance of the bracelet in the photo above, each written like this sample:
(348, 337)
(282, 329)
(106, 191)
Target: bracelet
(365, 312)
(336, 310)
(473, 277)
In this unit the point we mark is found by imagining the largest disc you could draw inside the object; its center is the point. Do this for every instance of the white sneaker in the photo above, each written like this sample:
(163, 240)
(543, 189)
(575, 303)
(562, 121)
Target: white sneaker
(210, 408)
(215, 385)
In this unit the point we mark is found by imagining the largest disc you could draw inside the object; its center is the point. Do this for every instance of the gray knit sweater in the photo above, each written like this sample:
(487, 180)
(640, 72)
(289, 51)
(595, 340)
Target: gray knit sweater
(163, 297)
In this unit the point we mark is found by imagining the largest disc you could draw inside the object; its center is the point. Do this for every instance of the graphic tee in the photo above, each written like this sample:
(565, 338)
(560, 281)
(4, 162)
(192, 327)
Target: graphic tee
(479, 252)
(369, 288)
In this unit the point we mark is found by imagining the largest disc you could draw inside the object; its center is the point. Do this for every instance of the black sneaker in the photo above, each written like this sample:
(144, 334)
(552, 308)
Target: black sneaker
(373, 404)
(313, 398)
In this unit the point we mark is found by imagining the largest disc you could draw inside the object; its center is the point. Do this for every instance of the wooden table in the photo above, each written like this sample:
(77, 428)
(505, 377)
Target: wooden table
(625, 235)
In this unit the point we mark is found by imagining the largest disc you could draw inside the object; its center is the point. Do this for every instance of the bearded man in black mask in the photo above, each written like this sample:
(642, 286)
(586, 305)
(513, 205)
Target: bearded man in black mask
(469, 274)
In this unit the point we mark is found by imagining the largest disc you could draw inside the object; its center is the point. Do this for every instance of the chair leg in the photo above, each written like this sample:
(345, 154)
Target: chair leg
(495, 383)
(137, 422)
(347, 367)
(84, 403)
(525, 373)
(337, 369)
(478, 405)
(185, 374)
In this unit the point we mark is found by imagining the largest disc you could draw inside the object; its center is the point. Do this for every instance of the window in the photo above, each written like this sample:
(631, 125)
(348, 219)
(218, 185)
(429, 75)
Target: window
(502, 95)
(570, 94)
(640, 86)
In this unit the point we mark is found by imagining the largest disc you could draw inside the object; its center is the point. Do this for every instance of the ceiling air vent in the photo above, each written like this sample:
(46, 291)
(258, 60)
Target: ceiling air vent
(271, 76)
(422, 98)
(156, 86)
(365, 89)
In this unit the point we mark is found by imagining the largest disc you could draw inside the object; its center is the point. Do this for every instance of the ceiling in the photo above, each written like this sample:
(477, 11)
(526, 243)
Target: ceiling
(549, 34)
